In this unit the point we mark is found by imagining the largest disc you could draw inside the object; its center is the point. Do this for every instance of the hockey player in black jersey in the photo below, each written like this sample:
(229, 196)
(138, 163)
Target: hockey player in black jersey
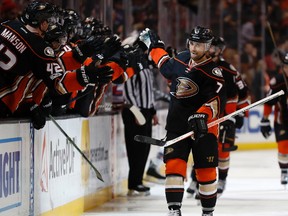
(198, 96)
(279, 106)
(237, 90)
(23, 51)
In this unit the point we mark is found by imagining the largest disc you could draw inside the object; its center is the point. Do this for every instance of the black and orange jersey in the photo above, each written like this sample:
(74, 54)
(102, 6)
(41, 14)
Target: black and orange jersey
(230, 75)
(244, 97)
(199, 88)
(277, 83)
(23, 52)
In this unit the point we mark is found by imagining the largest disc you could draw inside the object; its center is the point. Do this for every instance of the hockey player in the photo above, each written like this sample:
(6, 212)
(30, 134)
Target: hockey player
(237, 97)
(24, 52)
(197, 98)
(280, 118)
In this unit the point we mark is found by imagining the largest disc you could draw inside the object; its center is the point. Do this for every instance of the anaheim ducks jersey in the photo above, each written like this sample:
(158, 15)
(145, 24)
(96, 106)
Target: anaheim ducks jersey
(229, 74)
(280, 104)
(22, 54)
(200, 88)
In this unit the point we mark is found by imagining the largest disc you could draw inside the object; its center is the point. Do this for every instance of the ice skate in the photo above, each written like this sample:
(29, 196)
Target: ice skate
(221, 187)
(284, 177)
(176, 212)
(207, 214)
(139, 190)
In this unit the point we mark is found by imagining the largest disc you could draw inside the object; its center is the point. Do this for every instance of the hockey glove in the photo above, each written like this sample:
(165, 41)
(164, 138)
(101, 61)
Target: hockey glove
(239, 120)
(198, 124)
(38, 118)
(155, 40)
(94, 74)
(87, 48)
(265, 127)
(136, 58)
(110, 47)
(145, 38)
(227, 135)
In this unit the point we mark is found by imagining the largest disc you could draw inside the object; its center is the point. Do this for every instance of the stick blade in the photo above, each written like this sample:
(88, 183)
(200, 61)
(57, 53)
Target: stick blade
(149, 140)
(138, 115)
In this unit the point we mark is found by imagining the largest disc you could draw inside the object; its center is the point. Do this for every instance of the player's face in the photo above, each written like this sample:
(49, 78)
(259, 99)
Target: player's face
(197, 50)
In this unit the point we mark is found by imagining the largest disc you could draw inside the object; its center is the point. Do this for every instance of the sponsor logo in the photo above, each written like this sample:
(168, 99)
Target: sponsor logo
(185, 88)
(48, 51)
(10, 173)
(168, 151)
(217, 72)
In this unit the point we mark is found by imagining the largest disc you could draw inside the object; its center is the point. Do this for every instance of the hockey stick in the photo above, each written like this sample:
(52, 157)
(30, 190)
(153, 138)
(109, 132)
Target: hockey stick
(98, 174)
(152, 141)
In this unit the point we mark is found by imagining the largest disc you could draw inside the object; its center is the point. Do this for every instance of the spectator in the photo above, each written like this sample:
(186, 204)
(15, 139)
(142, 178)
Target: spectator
(9, 10)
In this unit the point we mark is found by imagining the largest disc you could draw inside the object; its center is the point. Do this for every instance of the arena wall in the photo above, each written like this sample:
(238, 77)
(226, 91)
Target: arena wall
(41, 173)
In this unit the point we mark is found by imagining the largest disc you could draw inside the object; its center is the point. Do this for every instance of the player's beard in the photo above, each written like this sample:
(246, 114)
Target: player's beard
(196, 57)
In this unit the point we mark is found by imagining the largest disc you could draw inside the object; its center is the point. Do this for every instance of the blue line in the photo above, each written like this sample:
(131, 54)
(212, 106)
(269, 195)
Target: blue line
(14, 139)
(10, 207)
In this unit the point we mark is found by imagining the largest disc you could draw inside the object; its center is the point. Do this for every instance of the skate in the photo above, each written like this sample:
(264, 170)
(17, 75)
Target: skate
(176, 212)
(284, 177)
(139, 190)
(153, 176)
(207, 214)
(221, 187)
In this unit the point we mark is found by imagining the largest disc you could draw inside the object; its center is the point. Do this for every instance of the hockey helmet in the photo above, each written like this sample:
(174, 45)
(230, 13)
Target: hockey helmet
(71, 19)
(55, 32)
(219, 42)
(37, 12)
(201, 34)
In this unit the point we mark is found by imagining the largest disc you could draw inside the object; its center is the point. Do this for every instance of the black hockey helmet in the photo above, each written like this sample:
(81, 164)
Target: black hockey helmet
(283, 56)
(37, 12)
(201, 34)
(219, 42)
(55, 32)
(71, 19)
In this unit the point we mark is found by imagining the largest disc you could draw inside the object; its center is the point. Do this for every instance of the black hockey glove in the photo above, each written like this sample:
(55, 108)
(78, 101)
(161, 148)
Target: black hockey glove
(265, 127)
(110, 47)
(87, 48)
(136, 58)
(39, 113)
(156, 42)
(198, 124)
(102, 31)
(227, 135)
(94, 74)
(239, 120)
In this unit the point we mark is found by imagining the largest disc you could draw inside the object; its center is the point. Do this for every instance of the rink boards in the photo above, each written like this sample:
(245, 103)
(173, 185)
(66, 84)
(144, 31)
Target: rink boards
(41, 173)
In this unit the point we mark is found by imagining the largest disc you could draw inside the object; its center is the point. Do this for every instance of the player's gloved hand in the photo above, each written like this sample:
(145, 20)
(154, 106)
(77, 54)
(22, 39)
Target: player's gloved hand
(87, 48)
(145, 38)
(228, 124)
(110, 47)
(40, 112)
(156, 42)
(198, 123)
(239, 120)
(136, 58)
(265, 127)
(94, 74)
(103, 31)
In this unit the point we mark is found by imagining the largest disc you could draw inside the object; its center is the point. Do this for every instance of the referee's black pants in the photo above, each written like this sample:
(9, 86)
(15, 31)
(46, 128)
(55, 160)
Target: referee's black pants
(137, 153)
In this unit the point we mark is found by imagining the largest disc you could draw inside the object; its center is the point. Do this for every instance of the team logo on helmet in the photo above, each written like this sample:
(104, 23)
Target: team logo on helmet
(217, 72)
(48, 51)
(185, 88)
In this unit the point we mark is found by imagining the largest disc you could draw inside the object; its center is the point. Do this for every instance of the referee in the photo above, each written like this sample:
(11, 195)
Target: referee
(138, 91)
